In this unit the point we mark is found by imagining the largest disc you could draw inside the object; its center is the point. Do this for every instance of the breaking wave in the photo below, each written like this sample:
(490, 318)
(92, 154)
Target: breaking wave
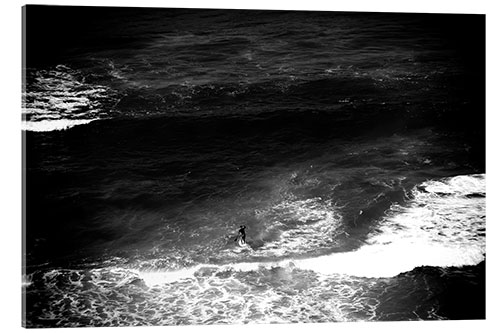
(59, 99)
(443, 225)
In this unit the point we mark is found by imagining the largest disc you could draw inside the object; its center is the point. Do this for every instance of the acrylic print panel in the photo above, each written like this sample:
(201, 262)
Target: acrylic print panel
(349, 145)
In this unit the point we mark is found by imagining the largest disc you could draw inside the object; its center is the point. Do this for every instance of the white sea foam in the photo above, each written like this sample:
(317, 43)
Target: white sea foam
(158, 277)
(53, 125)
(316, 223)
(443, 226)
(59, 99)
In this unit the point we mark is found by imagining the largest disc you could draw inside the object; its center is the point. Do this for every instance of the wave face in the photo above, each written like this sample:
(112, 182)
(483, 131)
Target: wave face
(444, 225)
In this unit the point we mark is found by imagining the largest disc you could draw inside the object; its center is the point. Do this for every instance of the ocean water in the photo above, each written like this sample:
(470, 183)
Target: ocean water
(351, 145)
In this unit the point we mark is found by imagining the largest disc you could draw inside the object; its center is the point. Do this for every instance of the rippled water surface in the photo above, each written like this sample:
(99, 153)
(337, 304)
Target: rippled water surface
(351, 145)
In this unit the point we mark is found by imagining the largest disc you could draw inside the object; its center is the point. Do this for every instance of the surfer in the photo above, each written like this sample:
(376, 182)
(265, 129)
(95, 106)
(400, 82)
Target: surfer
(241, 234)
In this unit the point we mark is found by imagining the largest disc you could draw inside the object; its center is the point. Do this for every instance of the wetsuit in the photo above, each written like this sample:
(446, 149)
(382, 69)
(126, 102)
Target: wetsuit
(241, 233)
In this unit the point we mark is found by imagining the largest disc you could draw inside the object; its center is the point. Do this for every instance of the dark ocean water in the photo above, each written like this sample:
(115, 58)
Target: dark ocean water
(351, 145)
